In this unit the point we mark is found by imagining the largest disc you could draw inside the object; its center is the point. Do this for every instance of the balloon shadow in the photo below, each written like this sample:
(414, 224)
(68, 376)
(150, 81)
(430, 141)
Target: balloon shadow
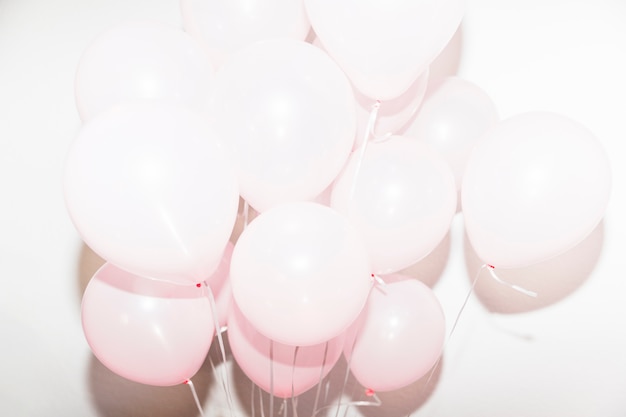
(448, 61)
(114, 396)
(88, 263)
(430, 269)
(552, 280)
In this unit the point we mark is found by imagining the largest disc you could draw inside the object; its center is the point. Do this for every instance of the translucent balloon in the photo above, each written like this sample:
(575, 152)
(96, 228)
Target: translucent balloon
(399, 336)
(142, 60)
(536, 185)
(300, 274)
(401, 197)
(150, 188)
(147, 331)
(226, 26)
(290, 114)
(453, 117)
(279, 369)
(384, 45)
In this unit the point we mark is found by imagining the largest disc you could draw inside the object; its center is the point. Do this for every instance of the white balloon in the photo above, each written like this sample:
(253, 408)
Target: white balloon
(401, 197)
(224, 26)
(142, 60)
(536, 185)
(290, 114)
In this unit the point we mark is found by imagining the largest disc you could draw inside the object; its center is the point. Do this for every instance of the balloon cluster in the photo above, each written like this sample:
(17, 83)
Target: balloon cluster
(353, 160)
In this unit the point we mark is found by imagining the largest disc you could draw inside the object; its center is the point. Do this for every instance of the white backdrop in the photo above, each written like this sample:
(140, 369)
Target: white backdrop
(565, 359)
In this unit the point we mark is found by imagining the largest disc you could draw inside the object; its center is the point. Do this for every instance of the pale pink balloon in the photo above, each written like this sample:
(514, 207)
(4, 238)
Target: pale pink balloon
(453, 117)
(300, 274)
(401, 197)
(224, 26)
(536, 185)
(147, 331)
(393, 114)
(150, 188)
(290, 114)
(384, 45)
(279, 369)
(399, 337)
(142, 60)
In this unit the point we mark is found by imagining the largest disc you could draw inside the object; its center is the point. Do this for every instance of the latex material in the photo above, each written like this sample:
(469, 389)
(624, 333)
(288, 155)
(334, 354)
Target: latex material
(226, 26)
(283, 370)
(401, 198)
(142, 60)
(147, 331)
(453, 117)
(384, 45)
(289, 112)
(399, 337)
(536, 185)
(150, 188)
(300, 274)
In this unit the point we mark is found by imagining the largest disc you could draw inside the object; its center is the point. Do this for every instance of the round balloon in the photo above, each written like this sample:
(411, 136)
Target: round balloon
(453, 117)
(398, 338)
(226, 26)
(281, 370)
(290, 114)
(401, 197)
(300, 274)
(150, 188)
(536, 185)
(147, 331)
(384, 45)
(142, 60)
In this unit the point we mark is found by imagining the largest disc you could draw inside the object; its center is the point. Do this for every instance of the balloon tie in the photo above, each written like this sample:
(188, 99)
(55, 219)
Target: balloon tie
(195, 395)
(508, 284)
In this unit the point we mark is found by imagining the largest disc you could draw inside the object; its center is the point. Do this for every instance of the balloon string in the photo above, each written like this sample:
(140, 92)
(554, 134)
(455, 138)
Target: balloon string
(508, 284)
(252, 406)
(195, 396)
(261, 402)
(293, 376)
(368, 131)
(319, 385)
(220, 339)
(271, 378)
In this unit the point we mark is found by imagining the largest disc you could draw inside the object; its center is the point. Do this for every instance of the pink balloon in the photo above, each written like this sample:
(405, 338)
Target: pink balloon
(151, 189)
(147, 331)
(454, 115)
(401, 197)
(384, 45)
(142, 60)
(392, 115)
(226, 26)
(289, 111)
(279, 369)
(399, 336)
(300, 274)
(536, 185)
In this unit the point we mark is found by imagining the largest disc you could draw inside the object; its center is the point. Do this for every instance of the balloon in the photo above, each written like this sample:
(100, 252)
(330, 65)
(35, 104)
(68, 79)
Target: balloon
(393, 114)
(399, 336)
(149, 188)
(290, 113)
(147, 331)
(402, 199)
(226, 26)
(536, 185)
(142, 60)
(454, 115)
(300, 274)
(281, 370)
(384, 45)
